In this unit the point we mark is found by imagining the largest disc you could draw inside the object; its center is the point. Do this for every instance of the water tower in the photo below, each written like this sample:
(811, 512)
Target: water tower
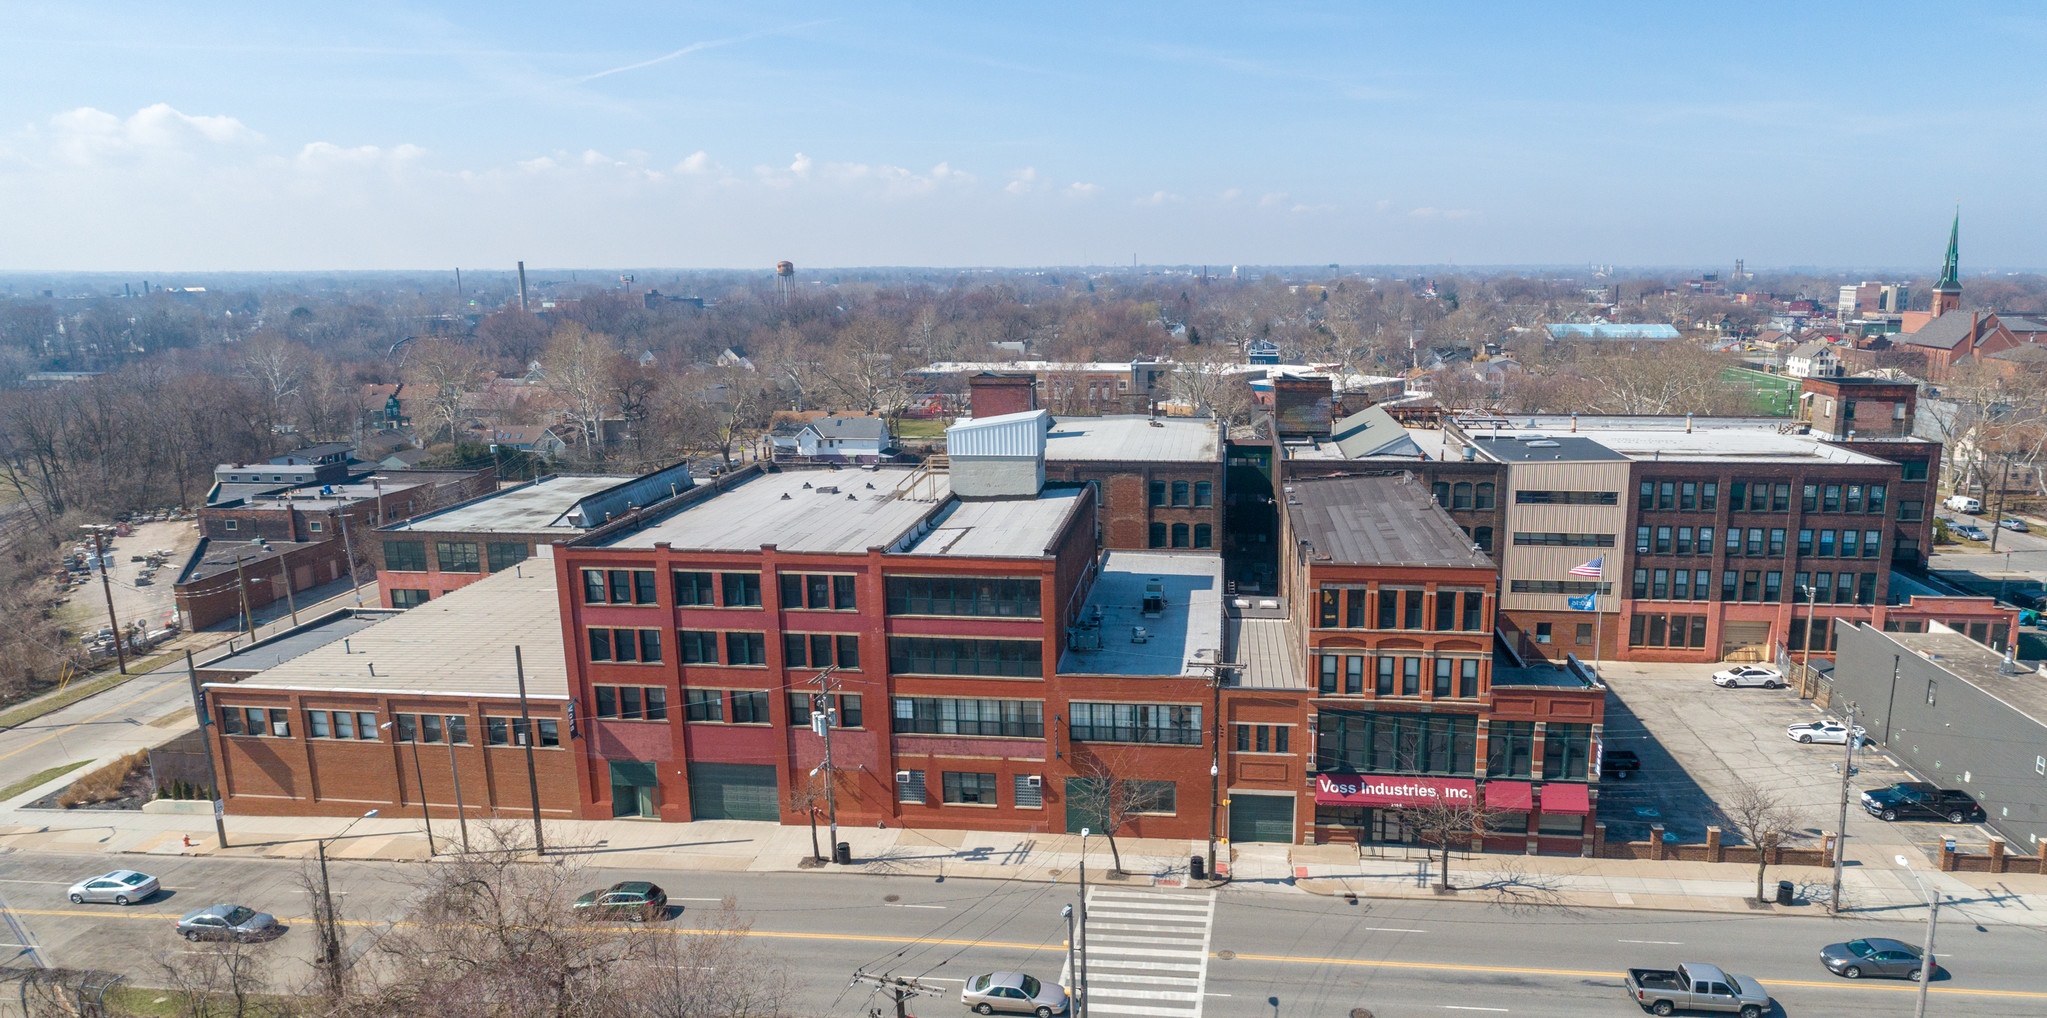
(785, 279)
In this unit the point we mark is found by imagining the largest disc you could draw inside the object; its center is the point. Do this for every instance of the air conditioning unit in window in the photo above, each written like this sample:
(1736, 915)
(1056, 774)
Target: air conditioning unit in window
(1033, 781)
(902, 777)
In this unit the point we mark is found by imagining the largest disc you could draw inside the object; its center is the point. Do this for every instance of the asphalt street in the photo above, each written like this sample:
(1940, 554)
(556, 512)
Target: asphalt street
(1267, 951)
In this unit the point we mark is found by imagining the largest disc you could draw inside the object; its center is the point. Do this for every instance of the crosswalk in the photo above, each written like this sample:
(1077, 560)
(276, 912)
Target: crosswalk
(1147, 953)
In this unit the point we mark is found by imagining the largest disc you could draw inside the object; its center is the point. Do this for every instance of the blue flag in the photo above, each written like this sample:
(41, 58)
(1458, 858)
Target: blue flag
(1588, 603)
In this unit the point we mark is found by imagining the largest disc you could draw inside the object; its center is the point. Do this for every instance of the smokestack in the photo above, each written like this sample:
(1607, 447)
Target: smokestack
(458, 282)
(522, 286)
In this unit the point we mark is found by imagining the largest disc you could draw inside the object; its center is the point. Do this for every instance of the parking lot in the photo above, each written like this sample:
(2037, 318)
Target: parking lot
(1699, 743)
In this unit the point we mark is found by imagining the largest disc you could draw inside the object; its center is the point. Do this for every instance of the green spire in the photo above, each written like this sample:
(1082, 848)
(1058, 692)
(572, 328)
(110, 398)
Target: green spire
(1950, 270)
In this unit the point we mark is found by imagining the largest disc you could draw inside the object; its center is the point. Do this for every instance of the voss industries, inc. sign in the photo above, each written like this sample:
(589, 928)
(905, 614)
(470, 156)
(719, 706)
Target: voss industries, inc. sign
(1392, 790)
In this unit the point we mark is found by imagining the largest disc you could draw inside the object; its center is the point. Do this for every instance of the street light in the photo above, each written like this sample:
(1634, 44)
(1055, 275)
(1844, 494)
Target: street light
(1066, 913)
(1926, 962)
(1081, 978)
(425, 816)
(329, 960)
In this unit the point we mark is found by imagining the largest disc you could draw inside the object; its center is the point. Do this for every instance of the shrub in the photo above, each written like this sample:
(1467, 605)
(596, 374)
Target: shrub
(105, 783)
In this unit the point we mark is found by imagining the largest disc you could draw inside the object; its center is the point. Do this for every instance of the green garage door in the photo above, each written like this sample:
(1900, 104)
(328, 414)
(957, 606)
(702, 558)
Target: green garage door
(728, 791)
(1262, 818)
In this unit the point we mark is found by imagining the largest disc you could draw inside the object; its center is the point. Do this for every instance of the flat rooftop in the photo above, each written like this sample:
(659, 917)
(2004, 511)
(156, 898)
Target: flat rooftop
(1389, 521)
(328, 496)
(534, 507)
(1191, 623)
(813, 511)
(276, 650)
(1978, 665)
(1132, 438)
(1268, 651)
(459, 644)
(1730, 444)
(1541, 447)
(1002, 528)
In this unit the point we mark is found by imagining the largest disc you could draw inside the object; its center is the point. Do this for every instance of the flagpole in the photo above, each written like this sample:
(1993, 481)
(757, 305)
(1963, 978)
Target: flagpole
(1598, 616)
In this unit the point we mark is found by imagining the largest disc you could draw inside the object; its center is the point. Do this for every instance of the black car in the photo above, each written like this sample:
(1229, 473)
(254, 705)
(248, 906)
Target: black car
(1618, 763)
(634, 900)
(1917, 800)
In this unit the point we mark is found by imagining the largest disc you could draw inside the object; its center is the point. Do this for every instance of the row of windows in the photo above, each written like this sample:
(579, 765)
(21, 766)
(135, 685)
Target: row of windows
(275, 722)
(1760, 542)
(1160, 723)
(629, 646)
(749, 706)
(848, 709)
(980, 788)
(1677, 632)
(1549, 540)
(1263, 738)
(820, 650)
(1575, 588)
(453, 556)
(1357, 742)
(1567, 498)
(932, 655)
(1464, 494)
(936, 715)
(819, 592)
(997, 596)
(908, 655)
(1344, 674)
(1180, 535)
(1182, 494)
(618, 586)
(1762, 497)
(1400, 608)
(631, 703)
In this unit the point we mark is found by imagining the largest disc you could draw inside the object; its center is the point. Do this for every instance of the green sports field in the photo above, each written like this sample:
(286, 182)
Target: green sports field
(1775, 395)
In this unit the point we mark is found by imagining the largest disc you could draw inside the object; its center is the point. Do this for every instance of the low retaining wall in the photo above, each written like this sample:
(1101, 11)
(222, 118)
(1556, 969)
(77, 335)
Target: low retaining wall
(1712, 851)
(1994, 859)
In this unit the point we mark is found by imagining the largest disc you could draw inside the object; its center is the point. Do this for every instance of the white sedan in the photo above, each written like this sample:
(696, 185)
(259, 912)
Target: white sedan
(1750, 675)
(1830, 731)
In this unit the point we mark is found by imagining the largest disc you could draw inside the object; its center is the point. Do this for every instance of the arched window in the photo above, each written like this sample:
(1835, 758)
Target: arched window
(1483, 537)
(1158, 535)
(1485, 495)
(1202, 536)
(1179, 535)
(1460, 496)
(1442, 492)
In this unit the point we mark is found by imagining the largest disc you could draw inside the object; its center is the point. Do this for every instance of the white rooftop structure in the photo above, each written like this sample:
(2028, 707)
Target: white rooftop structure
(1152, 613)
(457, 644)
(1133, 438)
(819, 511)
(1749, 446)
(536, 506)
(1001, 528)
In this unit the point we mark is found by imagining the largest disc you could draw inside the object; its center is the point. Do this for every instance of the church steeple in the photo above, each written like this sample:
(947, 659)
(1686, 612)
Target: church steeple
(1947, 294)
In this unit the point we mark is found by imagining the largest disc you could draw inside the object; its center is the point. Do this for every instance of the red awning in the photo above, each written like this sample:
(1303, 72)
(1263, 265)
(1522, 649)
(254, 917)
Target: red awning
(1566, 798)
(1390, 790)
(1512, 796)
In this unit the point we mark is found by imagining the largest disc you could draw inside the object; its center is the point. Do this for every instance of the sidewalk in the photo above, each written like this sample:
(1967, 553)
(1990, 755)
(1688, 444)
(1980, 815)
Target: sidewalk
(742, 846)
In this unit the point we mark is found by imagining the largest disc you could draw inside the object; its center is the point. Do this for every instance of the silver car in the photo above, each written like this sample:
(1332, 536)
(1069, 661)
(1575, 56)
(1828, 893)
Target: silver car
(1013, 992)
(122, 887)
(1874, 956)
(226, 922)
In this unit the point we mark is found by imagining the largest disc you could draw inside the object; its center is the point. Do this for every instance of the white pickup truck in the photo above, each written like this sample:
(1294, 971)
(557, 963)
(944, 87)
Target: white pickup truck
(1695, 987)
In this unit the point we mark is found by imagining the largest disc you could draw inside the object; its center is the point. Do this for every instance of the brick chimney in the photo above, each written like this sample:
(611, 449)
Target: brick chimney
(1301, 406)
(992, 395)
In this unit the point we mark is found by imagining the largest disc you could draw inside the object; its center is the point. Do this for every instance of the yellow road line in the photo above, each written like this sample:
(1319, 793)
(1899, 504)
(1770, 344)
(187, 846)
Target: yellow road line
(55, 732)
(1431, 966)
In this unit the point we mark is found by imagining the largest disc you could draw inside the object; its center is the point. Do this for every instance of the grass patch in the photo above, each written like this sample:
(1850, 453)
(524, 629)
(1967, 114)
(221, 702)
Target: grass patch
(33, 780)
(130, 1001)
(81, 689)
(921, 429)
(1774, 395)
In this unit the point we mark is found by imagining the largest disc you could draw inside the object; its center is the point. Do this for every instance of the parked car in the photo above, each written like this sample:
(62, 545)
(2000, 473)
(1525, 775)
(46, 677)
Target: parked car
(1918, 800)
(1695, 987)
(1618, 763)
(1971, 531)
(122, 887)
(635, 900)
(1964, 504)
(1825, 731)
(1750, 675)
(2013, 523)
(1876, 956)
(226, 922)
(1013, 992)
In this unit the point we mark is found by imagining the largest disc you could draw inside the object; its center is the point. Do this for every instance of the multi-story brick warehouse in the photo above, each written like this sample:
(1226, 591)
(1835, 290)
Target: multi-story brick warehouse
(1395, 609)
(431, 554)
(394, 714)
(982, 657)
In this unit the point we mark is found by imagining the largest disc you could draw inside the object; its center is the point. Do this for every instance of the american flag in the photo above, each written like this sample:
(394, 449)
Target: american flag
(1591, 568)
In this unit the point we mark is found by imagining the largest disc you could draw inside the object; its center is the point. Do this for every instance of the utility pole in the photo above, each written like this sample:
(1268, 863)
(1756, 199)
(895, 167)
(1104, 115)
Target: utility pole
(823, 715)
(461, 814)
(349, 550)
(1217, 672)
(206, 743)
(242, 591)
(284, 570)
(329, 958)
(1078, 1005)
(527, 735)
(1841, 826)
(425, 815)
(901, 989)
(99, 548)
(1926, 961)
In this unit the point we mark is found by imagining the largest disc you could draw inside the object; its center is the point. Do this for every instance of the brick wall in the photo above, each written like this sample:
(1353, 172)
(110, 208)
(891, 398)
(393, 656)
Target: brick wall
(993, 395)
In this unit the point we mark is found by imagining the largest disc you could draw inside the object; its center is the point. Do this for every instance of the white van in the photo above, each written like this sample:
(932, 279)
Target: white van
(1964, 504)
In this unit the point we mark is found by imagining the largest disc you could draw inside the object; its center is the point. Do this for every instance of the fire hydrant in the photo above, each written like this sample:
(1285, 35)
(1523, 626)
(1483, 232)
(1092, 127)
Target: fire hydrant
(188, 841)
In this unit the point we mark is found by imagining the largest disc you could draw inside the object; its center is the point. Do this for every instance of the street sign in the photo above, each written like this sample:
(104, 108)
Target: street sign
(219, 809)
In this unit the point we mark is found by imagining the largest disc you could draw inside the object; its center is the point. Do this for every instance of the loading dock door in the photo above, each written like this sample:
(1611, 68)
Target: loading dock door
(1745, 641)
(1262, 818)
(729, 791)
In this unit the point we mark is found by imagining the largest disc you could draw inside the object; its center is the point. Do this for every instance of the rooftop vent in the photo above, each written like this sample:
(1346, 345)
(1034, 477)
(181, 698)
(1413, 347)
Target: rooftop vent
(828, 489)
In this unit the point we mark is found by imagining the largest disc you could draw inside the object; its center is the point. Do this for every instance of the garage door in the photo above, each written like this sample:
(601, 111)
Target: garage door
(727, 791)
(1745, 641)
(1262, 818)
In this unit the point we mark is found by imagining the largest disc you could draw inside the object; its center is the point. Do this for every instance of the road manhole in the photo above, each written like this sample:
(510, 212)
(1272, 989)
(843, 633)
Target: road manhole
(1226, 955)
(1359, 1012)
(891, 897)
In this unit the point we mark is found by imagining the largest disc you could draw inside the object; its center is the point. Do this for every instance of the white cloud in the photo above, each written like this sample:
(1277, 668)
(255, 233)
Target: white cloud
(1232, 194)
(1024, 181)
(87, 136)
(1272, 199)
(1080, 190)
(1317, 209)
(801, 167)
(697, 162)
(1157, 198)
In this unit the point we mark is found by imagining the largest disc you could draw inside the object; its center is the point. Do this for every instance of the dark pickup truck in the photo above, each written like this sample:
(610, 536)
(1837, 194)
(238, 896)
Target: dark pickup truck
(1695, 987)
(1618, 763)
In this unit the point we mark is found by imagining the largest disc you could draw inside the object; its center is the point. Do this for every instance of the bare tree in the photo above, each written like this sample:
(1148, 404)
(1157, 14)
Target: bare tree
(1765, 821)
(439, 372)
(220, 979)
(1447, 818)
(809, 797)
(578, 365)
(1216, 384)
(1111, 798)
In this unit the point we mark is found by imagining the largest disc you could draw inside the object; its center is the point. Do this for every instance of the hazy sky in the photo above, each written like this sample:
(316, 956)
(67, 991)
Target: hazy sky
(381, 135)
